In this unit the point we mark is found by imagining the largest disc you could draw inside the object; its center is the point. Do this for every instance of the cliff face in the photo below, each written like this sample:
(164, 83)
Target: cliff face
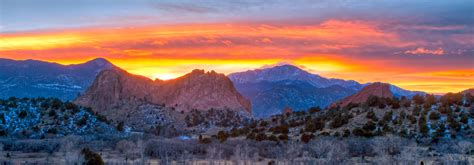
(203, 91)
(374, 89)
(115, 93)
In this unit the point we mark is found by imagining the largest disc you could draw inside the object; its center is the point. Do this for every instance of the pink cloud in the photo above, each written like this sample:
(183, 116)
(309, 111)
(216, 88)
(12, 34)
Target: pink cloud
(425, 51)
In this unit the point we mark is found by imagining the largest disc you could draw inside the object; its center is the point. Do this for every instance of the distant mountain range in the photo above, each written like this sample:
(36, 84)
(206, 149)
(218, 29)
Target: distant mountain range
(269, 90)
(31, 78)
(272, 89)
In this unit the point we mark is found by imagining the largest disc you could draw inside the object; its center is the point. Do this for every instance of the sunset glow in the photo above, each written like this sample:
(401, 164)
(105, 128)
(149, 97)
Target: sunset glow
(435, 58)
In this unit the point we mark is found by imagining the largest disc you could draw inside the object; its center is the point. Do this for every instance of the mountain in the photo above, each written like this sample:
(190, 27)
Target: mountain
(31, 78)
(375, 89)
(117, 93)
(272, 89)
(289, 72)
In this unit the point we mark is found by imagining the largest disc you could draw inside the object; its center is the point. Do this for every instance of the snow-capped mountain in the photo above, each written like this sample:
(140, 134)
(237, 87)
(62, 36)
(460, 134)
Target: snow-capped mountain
(32, 78)
(289, 72)
(272, 89)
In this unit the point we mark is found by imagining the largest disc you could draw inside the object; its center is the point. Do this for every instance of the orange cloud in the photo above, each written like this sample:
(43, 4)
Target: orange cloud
(170, 51)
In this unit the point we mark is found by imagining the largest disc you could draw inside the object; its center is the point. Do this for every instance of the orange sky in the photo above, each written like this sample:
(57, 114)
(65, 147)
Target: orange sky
(331, 48)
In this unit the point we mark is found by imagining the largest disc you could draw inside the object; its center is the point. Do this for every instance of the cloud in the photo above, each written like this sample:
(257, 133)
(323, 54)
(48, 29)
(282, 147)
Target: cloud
(184, 8)
(425, 51)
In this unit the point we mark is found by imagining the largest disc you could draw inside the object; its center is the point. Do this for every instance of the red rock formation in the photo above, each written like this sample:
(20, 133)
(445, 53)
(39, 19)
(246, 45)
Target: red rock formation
(374, 89)
(114, 92)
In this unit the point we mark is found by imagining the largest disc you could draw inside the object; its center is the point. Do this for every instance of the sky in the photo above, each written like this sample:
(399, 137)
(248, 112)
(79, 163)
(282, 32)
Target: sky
(421, 45)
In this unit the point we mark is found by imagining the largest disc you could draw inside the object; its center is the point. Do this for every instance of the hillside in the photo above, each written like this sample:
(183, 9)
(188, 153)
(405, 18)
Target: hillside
(424, 119)
(46, 118)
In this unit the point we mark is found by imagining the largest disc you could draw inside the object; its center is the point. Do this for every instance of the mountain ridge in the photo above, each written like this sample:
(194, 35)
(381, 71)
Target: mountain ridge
(34, 78)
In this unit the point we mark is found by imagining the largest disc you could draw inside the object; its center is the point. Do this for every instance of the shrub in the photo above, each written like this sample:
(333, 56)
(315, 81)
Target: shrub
(418, 99)
(306, 137)
(91, 157)
(423, 126)
(313, 110)
(120, 126)
(261, 137)
(56, 103)
(371, 115)
(395, 104)
(52, 113)
(283, 137)
(434, 116)
(22, 114)
(339, 121)
(370, 126)
(83, 121)
(222, 136)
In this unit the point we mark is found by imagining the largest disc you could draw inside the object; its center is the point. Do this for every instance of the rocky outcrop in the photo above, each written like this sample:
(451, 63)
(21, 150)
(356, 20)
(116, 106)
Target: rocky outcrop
(375, 89)
(116, 93)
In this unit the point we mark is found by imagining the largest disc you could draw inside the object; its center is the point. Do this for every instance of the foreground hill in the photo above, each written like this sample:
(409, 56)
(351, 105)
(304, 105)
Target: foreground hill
(43, 118)
(272, 89)
(118, 94)
(31, 78)
(375, 89)
(425, 119)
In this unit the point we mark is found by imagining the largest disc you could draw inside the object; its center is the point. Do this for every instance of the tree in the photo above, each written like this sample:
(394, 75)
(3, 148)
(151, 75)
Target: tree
(370, 126)
(418, 99)
(423, 126)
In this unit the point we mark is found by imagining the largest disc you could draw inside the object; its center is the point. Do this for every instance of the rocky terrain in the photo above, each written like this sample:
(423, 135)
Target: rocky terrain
(31, 78)
(120, 95)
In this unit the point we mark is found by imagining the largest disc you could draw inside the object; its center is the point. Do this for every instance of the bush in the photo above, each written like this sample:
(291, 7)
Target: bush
(339, 121)
(306, 137)
(120, 126)
(434, 116)
(222, 136)
(418, 99)
(22, 114)
(91, 157)
(56, 103)
(261, 137)
(423, 126)
(313, 110)
(283, 137)
(370, 126)
(371, 115)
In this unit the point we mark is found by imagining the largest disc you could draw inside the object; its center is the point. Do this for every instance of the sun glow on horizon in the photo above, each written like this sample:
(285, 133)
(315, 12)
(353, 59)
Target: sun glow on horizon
(332, 48)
